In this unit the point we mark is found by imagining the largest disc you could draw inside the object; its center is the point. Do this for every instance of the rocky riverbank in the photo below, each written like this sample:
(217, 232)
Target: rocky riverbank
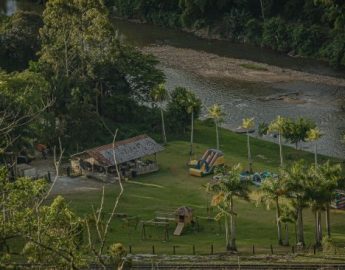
(210, 65)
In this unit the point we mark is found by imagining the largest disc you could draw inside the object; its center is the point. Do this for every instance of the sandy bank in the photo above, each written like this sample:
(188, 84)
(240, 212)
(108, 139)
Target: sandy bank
(213, 66)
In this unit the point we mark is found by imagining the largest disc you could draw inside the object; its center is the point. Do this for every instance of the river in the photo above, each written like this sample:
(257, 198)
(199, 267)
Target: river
(322, 103)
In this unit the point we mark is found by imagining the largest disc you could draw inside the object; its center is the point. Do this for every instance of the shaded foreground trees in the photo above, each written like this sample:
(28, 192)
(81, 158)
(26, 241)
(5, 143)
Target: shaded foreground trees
(227, 188)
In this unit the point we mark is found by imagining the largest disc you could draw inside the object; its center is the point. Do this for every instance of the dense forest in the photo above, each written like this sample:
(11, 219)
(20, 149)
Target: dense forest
(56, 83)
(309, 28)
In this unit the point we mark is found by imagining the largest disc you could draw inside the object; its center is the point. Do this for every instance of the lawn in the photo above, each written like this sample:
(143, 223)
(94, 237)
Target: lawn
(172, 187)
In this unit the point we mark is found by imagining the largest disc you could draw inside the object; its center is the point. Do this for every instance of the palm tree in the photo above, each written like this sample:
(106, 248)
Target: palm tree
(294, 179)
(192, 103)
(287, 216)
(313, 135)
(159, 95)
(329, 179)
(248, 124)
(228, 187)
(316, 196)
(215, 112)
(270, 192)
(278, 126)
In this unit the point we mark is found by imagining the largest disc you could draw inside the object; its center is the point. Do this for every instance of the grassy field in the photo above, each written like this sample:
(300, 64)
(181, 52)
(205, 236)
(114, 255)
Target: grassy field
(172, 187)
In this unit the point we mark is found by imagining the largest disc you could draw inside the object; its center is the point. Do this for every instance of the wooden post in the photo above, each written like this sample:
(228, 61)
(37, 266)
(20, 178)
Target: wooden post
(193, 249)
(212, 249)
(174, 250)
(314, 249)
(130, 249)
(271, 249)
(253, 250)
(293, 249)
(153, 249)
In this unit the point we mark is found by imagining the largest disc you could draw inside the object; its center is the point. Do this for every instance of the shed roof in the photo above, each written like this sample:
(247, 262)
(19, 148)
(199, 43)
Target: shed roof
(126, 150)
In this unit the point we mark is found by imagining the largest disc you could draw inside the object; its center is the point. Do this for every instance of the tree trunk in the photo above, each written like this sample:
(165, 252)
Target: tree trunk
(262, 9)
(286, 234)
(66, 57)
(279, 226)
(328, 221)
(250, 163)
(233, 227)
(280, 150)
(300, 233)
(163, 127)
(227, 232)
(217, 134)
(191, 136)
(315, 154)
(319, 227)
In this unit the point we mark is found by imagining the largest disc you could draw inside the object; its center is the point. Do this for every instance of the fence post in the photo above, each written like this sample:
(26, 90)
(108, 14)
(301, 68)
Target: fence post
(174, 250)
(293, 249)
(212, 249)
(271, 249)
(130, 249)
(253, 250)
(153, 249)
(193, 249)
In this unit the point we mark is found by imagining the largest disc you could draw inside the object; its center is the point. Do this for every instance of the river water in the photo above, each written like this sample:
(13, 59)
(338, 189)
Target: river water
(324, 104)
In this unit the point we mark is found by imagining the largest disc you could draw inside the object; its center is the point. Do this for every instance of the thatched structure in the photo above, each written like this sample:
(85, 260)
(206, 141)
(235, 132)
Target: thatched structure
(128, 153)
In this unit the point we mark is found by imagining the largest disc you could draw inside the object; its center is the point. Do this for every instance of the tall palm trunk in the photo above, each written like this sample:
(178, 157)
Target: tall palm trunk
(250, 163)
(217, 134)
(191, 136)
(286, 234)
(328, 221)
(315, 154)
(227, 232)
(300, 233)
(319, 226)
(232, 246)
(279, 226)
(163, 127)
(280, 149)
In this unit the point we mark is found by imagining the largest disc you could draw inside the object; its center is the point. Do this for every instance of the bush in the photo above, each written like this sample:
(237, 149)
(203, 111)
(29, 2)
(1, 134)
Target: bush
(307, 40)
(276, 35)
(334, 50)
(233, 24)
(253, 31)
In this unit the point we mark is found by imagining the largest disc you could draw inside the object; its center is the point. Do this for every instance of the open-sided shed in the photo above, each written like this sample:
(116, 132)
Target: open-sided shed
(134, 156)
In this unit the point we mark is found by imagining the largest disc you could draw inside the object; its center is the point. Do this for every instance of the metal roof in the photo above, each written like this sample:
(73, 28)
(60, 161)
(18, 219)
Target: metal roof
(126, 150)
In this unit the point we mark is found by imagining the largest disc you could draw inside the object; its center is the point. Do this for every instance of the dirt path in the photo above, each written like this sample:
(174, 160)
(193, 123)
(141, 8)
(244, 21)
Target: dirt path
(64, 184)
(212, 66)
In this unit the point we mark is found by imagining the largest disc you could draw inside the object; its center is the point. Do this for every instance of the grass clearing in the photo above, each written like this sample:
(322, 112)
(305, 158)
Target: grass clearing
(254, 67)
(172, 187)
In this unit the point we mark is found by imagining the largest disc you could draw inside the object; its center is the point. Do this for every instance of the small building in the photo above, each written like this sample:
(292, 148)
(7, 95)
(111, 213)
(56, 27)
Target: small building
(134, 156)
(184, 215)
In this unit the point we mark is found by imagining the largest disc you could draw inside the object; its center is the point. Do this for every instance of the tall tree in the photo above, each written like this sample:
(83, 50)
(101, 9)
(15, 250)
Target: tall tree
(193, 104)
(278, 126)
(227, 188)
(329, 179)
(271, 191)
(248, 124)
(215, 112)
(160, 95)
(295, 181)
(313, 135)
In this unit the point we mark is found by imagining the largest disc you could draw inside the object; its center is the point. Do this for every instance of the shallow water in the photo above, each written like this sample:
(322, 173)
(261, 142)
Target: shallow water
(324, 104)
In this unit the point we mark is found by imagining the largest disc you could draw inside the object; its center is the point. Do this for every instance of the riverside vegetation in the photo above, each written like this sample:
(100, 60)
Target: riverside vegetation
(306, 28)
